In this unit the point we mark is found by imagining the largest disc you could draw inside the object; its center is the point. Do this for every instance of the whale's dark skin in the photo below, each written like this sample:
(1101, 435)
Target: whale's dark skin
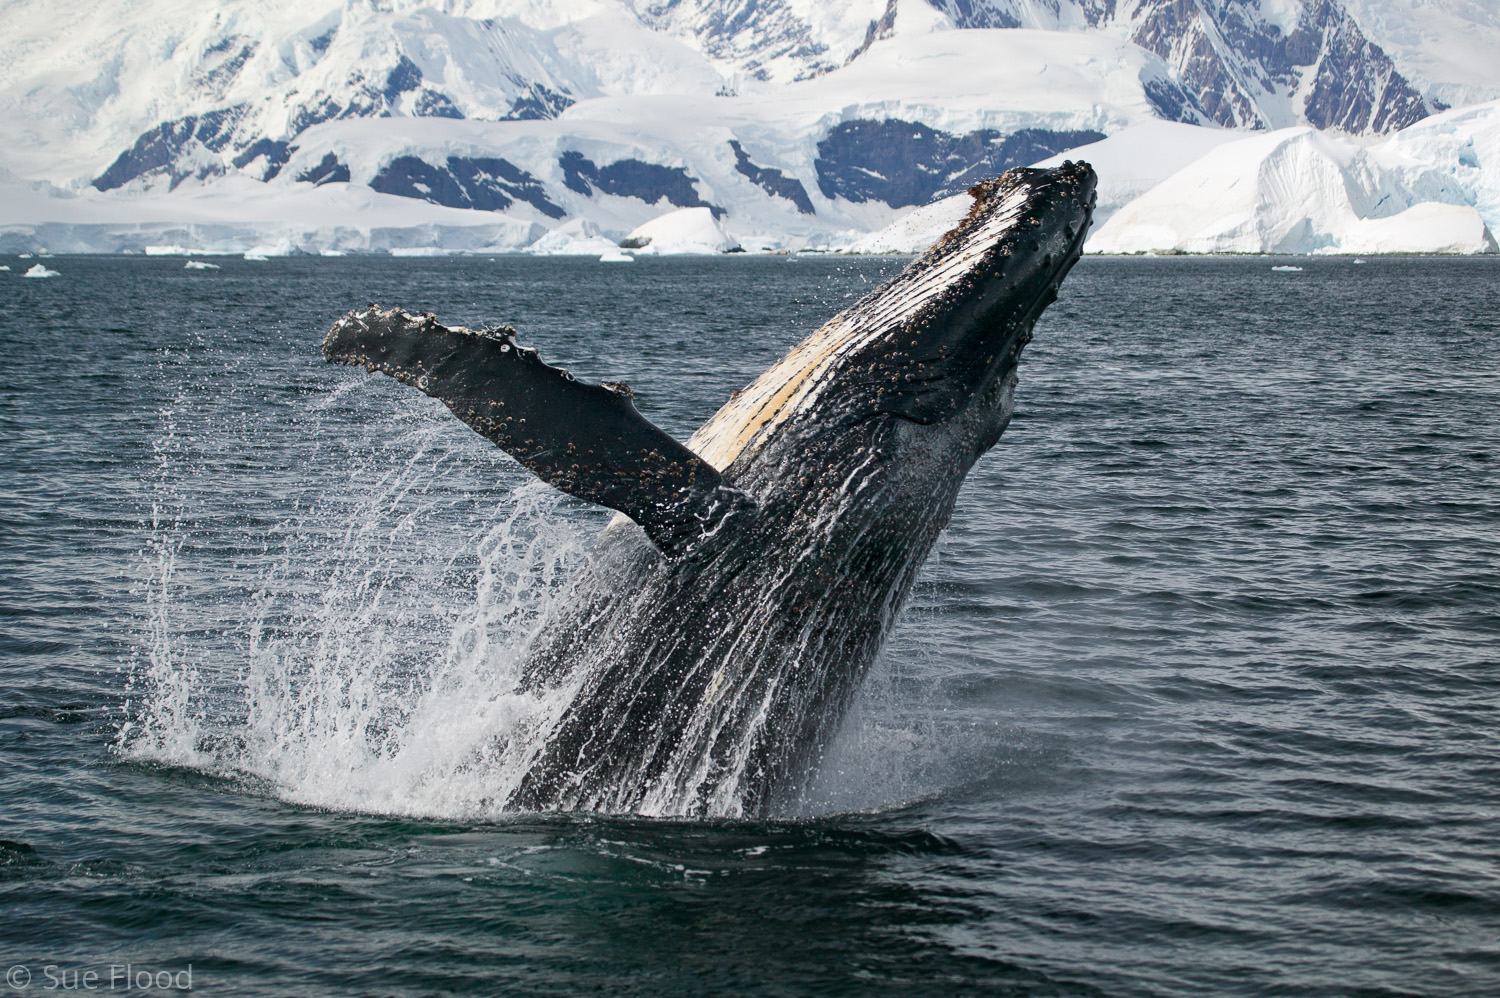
(701, 663)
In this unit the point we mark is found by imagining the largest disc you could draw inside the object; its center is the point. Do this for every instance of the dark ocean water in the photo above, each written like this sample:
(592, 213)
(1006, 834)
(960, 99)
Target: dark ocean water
(1200, 694)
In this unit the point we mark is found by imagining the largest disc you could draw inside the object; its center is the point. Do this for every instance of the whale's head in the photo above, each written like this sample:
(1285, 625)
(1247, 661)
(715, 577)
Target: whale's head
(941, 341)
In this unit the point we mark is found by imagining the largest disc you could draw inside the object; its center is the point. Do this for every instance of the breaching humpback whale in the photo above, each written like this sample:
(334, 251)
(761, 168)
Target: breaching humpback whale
(703, 660)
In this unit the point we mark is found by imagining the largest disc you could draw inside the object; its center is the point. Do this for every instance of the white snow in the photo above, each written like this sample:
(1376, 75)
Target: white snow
(917, 229)
(641, 95)
(1129, 163)
(1135, 159)
(1429, 189)
(1427, 227)
(238, 215)
(1448, 48)
(40, 270)
(686, 230)
(92, 75)
(79, 82)
(1452, 157)
(616, 256)
(577, 237)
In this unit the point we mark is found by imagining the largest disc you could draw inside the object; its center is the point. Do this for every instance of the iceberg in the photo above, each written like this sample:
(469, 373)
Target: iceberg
(40, 270)
(1301, 191)
(686, 230)
(1427, 227)
(579, 237)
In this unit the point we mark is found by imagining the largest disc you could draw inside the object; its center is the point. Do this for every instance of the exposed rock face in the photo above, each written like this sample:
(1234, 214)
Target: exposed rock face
(634, 178)
(539, 101)
(1244, 70)
(169, 149)
(906, 163)
(1356, 87)
(1240, 64)
(772, 181)
(766, 38)
(486, 184)
(328, 171)
(260, 135)
(1026, 13)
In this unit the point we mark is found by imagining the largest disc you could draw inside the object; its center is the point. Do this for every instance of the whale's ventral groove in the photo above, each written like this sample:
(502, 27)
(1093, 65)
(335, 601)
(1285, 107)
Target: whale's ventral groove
(701, 663)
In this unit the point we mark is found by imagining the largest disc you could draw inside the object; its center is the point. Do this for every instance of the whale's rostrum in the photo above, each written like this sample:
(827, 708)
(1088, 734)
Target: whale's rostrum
(703, 661)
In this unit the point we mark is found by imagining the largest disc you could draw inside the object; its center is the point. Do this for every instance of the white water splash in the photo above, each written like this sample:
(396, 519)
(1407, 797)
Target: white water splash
(363, 653)
(369, 659)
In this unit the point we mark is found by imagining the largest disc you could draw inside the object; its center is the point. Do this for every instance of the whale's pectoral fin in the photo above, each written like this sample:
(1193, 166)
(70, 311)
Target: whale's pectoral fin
(587, 440)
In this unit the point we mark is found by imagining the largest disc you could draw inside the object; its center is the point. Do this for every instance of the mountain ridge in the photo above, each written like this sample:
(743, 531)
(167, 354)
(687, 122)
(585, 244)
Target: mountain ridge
(795, 116)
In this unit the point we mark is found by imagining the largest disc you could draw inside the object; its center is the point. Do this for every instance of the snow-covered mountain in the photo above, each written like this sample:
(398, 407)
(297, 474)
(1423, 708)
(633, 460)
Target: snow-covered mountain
(792, 121)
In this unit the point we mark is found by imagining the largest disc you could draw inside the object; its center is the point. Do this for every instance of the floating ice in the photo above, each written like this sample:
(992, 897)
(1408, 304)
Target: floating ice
(200, 265)
(40, 270)
(578, 237)
(686, 230)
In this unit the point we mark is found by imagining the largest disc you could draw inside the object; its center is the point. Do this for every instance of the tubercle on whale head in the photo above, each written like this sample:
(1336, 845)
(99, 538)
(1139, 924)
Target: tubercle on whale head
(975, 295)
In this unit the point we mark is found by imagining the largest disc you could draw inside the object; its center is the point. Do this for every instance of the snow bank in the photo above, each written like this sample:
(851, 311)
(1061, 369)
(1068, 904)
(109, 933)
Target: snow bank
(686, 230)
(1301, 191)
